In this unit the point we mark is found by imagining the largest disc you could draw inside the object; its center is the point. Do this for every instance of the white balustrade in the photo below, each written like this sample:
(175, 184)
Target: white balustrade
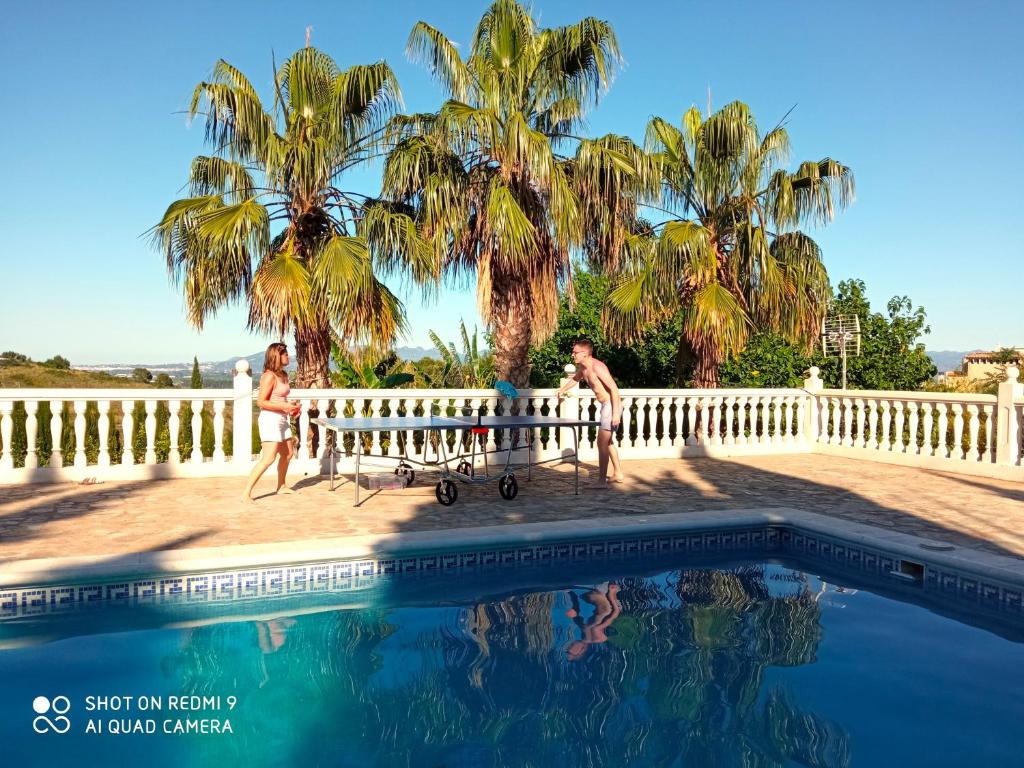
(173, 428)
(959, 432)
(103, 458)
(7, 434)
(197, 431)
(31, 430)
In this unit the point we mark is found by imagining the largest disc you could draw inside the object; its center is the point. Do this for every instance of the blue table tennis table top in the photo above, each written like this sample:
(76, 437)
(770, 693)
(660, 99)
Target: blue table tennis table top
(388, 423)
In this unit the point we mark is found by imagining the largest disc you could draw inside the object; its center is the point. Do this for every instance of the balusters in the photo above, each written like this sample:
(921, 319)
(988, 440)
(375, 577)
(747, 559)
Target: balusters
(958, 432)
(690, 417)
(942, 449)
(871, 438)
(927, 447)
(6, 431)
(127, 430)
(103, 458)
(31, 430)
(787, 419)
(627, 420)
(1016, 427)
(820, 404)
(151, 431)
(304, 429)
(218, 431)
(912, 438)
(988, 447)
(197, 431)
(375, 446)
(741, 419)
(899, 446)
(173, 427)
(80, 460)
(727, 404)
(886, 416)
(859, 421)
(800, 406)
(973, 453)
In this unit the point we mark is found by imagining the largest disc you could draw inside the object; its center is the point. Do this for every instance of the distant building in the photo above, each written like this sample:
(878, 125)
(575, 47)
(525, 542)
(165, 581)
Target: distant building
(979, 366)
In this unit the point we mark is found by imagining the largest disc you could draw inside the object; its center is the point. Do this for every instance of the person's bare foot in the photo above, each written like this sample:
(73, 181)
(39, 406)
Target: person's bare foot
(247, 499)
(599, 486)
(619, 478)
(285, 490)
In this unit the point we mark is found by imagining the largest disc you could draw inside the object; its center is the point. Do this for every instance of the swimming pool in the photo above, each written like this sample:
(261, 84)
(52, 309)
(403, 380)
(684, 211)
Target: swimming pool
(711, 659)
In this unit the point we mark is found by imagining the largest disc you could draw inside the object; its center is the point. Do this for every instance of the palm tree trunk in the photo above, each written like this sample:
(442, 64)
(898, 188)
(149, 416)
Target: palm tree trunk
(705, 374)
(512, 330)
(313, 351)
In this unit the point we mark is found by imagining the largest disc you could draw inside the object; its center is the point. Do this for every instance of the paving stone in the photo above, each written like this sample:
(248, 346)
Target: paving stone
(118, 518)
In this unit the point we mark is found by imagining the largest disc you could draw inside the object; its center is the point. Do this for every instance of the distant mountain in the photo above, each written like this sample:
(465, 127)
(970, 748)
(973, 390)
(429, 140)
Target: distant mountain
(947, 360)
(222, 370)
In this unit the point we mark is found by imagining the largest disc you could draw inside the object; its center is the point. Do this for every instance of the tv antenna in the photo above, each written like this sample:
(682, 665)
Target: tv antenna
(840, 337)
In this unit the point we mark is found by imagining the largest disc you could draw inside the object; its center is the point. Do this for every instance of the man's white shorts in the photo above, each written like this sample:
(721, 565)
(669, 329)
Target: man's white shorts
(606, 416)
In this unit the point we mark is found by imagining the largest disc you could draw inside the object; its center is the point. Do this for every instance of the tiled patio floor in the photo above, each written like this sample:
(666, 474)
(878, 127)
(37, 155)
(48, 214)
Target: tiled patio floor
(120, 518)
(125, 517)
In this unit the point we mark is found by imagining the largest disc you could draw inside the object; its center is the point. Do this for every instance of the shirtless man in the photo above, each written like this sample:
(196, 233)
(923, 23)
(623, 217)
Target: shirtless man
(599, 379)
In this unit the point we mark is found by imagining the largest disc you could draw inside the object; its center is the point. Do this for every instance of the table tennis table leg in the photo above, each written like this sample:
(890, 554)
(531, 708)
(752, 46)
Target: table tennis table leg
(359, 446)
(333, 458)
(529, 454)
(576, 456)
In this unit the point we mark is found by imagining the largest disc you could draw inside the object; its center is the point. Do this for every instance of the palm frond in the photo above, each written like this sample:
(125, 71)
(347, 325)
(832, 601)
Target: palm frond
(427, 45)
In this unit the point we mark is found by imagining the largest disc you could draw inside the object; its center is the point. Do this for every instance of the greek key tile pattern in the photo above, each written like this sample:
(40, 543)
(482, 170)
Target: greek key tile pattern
(352, 575)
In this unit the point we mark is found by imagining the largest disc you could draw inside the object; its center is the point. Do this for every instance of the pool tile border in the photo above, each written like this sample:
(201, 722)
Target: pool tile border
(300, 568)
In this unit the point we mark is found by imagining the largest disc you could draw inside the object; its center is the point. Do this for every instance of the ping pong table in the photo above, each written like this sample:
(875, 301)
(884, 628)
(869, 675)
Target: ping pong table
(466, 471)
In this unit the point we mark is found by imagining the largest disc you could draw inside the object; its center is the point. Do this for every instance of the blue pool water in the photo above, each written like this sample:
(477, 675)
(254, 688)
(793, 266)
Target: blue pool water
(745, 664)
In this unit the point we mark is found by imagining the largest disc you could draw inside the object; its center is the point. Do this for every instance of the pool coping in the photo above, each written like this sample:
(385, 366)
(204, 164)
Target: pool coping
(42, 571)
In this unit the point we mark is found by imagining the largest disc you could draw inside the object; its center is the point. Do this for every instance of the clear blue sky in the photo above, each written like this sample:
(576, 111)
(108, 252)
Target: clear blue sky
(921, 99)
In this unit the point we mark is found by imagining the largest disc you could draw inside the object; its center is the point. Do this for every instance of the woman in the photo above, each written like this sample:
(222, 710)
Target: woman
(275, 410)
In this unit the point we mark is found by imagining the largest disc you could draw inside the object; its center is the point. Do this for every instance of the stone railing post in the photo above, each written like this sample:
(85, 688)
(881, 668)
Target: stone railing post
(812, 385)
(1007, 448)
(241, 416)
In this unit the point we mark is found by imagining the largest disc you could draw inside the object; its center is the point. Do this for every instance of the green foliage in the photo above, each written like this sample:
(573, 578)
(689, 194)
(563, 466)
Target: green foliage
(651, 362)
(355, 373)
(470, 370)
(163, 381)
(197, 376)
(142, 375)
(206, 435)
(13, 358)
(58, 362)
(892, 355)
(767, 361)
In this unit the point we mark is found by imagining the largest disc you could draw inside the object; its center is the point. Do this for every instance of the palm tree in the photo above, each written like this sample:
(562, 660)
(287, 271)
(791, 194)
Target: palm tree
(728, 251)
(281, 167)
(480, 182)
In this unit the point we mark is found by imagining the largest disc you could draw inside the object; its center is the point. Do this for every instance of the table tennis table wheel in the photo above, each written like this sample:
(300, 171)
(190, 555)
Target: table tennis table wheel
(508, 487)
(447, 492)
(406, 469)
(465, 468)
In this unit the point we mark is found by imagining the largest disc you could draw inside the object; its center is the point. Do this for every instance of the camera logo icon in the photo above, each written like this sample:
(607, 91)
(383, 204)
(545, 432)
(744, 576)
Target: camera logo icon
(42, 706)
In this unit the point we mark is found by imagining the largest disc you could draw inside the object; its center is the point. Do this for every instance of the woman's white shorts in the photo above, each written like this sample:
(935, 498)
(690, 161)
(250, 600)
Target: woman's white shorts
(274, 427)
